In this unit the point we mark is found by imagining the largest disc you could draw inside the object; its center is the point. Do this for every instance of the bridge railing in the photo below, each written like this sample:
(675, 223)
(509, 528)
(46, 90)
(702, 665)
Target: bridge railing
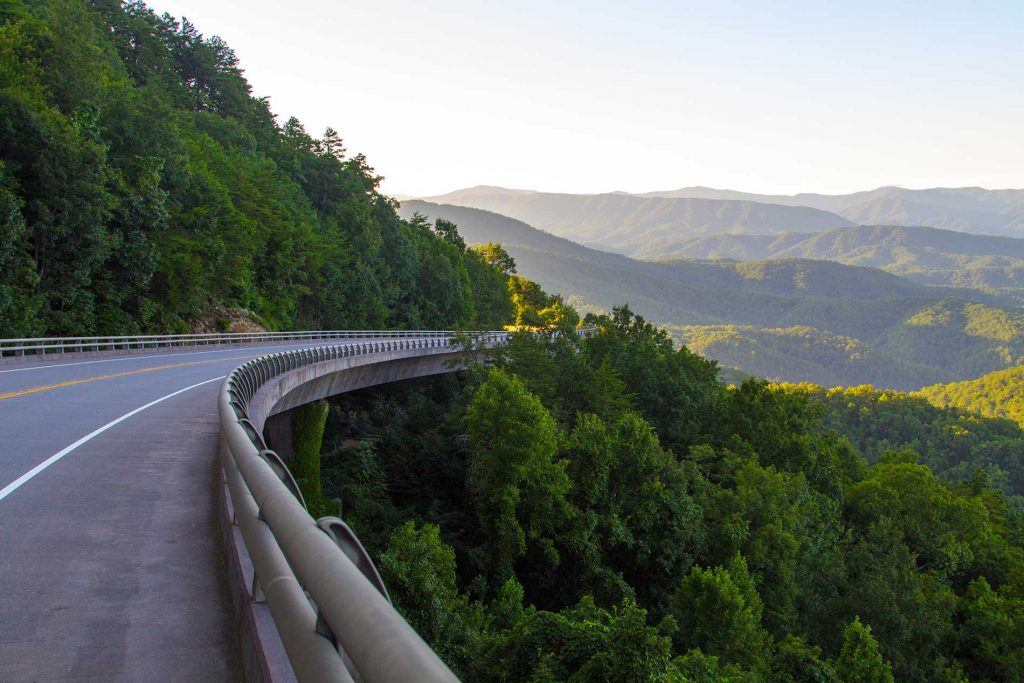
(330, 608)
(48, 345)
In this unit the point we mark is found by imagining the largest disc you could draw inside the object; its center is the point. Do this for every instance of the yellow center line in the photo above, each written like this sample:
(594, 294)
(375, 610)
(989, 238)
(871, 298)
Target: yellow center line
(73, 382)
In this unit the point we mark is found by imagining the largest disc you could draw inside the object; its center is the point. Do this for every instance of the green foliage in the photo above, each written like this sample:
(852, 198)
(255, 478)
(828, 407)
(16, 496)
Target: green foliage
(489, 286)
(641, 524)
(308, 423)
(796, 662)
(518, 486)
(580, 644)
(570, 535)
(535, 309)
(992, 633)
(859, 660)
(142, 186)
(676, 390)
(998, 394)
(419, 571)
(719, 611)
(951, 442)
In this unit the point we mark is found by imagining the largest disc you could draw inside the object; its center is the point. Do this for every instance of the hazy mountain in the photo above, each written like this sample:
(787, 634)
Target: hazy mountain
(967, 209)
(886, 329)
(925, 255)
(640, 225)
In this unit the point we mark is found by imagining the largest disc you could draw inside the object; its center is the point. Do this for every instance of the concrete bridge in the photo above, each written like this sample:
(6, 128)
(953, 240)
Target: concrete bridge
(149, 531)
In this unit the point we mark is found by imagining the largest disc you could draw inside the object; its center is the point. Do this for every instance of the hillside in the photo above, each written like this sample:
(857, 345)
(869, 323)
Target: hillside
(855, 324)
(640, 225)
(997, 394)
(966, 209)
(800, 352)
(925, 255)
(144, 188)
(951, 441)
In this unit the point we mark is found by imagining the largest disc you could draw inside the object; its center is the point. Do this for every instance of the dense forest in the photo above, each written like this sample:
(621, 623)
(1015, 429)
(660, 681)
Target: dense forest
(143, 186)
(605, 509)
(953, 442)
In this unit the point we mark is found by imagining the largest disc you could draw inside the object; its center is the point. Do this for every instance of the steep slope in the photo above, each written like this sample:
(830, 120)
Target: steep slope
(144, 188)
(855, 324)
(640, 225)
(925, 255)
(998, 394)
(967, 209)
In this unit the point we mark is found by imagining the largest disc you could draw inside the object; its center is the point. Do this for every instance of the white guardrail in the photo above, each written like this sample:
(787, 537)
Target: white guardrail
(329, 605)
(47, 345)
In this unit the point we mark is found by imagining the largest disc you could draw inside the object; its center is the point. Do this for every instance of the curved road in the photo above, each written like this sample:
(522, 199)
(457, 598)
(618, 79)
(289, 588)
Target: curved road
(110, 559)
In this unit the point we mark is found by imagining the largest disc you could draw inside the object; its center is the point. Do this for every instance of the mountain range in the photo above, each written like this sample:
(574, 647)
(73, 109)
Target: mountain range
(655, 224)
(967, 209)
(641, 226)
(924, 255)
(793, 319)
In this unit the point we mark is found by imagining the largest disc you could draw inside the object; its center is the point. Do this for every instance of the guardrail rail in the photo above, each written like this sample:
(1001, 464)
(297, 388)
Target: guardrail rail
(331, 610)
(51, 345)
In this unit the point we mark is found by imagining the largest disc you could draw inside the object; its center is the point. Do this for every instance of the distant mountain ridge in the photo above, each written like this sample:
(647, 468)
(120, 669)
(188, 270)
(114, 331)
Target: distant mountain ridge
(634, 225)
(965, 209)
(647, 226)
(924, 255)
(792, 319)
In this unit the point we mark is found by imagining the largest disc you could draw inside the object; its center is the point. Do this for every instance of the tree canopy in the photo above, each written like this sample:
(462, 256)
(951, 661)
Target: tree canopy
(780, 533)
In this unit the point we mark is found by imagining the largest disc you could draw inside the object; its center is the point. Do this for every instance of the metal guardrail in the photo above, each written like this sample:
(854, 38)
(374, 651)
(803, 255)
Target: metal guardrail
(48, 345)
(330, 607)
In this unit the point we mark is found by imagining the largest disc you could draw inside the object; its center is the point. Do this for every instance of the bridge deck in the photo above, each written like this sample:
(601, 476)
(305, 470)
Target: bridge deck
(111, 564)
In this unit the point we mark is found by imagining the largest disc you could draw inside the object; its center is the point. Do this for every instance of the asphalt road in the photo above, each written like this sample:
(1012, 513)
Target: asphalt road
(111, 564)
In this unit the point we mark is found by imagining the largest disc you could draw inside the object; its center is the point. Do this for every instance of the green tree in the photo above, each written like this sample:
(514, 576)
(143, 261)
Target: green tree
(495, 255)
(992, 632)
(859, 661)
(795, 661)
(581, 644)
(518, 486)
(719, 612)
(419, 571)
(675, 390)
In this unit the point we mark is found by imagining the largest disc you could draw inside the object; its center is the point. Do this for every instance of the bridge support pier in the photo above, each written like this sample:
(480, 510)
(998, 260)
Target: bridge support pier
(280, 435)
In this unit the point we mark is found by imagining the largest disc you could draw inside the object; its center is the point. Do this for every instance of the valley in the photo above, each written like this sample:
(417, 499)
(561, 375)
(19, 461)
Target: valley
(791, 313)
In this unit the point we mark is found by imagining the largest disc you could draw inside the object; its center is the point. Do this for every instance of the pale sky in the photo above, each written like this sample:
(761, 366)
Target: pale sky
(595, 96)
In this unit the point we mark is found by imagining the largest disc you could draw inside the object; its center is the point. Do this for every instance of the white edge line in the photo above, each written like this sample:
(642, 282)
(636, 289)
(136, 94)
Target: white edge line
(17, 483)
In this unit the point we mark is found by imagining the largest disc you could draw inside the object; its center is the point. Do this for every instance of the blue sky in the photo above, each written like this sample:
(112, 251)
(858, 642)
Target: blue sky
(599, 96)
